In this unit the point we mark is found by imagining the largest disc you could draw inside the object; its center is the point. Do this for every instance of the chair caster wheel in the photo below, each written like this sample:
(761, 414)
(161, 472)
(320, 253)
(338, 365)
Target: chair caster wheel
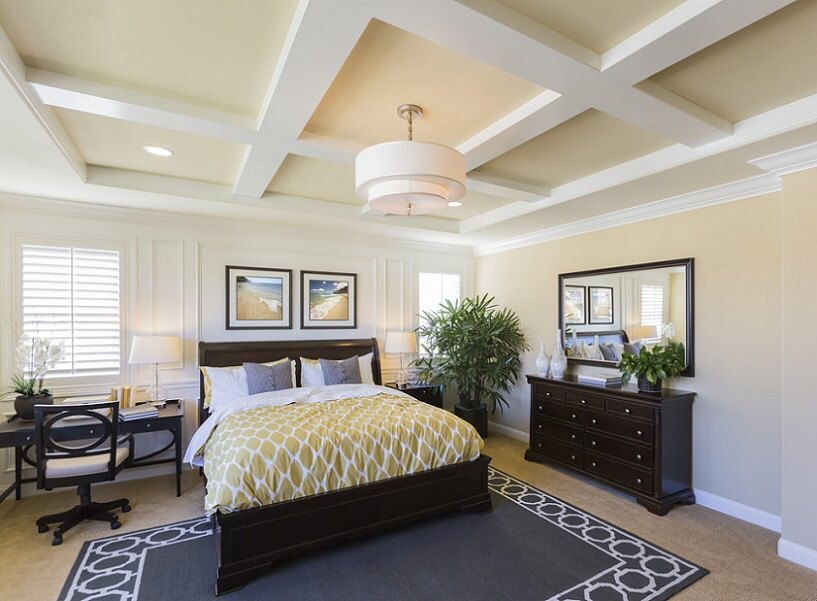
(115, 524)
(57, 540)
(42, 528)
(125, 508)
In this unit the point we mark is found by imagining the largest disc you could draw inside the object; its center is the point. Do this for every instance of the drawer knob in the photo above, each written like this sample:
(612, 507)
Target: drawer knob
(147, 425)
(584, 402)
(28, 438)
(593, 464)
(573, 437)
(638, 480)
(639, 432)
(573, 457)
(91, 431)
(538, 445)
(572, 416)
(593, 443)
(593, 421)
(627, 411)
(539, 426)
(547, 394)
(638, 456)
(540, 407)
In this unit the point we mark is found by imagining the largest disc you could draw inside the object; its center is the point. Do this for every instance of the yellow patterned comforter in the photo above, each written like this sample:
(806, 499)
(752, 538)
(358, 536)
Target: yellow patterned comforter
(268, 454)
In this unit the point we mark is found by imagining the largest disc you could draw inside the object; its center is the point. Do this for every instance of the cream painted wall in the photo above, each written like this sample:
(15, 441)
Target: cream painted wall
(799, 398)
(174, 282)
(737, 251)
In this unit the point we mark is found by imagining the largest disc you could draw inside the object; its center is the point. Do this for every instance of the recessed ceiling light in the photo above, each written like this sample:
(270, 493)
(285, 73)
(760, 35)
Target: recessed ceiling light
(454, 203)
(158, 151)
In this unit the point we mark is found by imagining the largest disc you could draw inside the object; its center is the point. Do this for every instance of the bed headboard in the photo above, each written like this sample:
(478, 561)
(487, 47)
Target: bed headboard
(223, 354)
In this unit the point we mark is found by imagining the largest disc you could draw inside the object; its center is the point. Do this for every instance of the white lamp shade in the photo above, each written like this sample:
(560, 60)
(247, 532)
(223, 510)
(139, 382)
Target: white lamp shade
(401, 342)
(409, 178)
(645, 332)
(155, 349)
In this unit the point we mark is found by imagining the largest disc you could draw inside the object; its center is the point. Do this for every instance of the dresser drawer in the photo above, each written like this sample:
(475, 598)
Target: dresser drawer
(585, 400)
(561, 452)
(567, 413)
(559, 431)
(545, 392)
(623, 450)
(629, 409)
(619, 425)
(609, 468)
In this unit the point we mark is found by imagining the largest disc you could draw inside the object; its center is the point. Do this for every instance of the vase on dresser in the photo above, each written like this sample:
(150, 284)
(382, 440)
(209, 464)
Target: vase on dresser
(542, 361)
(558, 362)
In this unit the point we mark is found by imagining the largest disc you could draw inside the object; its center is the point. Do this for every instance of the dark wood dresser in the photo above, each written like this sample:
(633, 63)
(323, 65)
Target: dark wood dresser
(639, 443)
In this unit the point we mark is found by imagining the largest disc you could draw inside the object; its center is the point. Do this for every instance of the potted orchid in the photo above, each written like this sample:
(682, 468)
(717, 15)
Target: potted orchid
(35, 356)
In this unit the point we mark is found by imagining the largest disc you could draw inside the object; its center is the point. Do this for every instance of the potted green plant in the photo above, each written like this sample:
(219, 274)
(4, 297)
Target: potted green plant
(35, 356)
(652, 366)
(477, 346)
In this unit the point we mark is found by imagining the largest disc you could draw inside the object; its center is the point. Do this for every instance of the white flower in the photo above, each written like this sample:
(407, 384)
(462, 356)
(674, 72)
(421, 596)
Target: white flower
(668, 331)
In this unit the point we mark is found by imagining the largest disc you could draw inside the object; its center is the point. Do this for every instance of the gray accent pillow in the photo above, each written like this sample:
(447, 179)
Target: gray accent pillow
(266, 378)
(345, 371)
(608, 352)
(633, 348)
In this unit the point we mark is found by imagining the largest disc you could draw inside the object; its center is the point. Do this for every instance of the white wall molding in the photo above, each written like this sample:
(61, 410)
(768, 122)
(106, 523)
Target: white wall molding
(797, 553)
(508, 431)
(739, 190)
(755, 516)
(788, 161)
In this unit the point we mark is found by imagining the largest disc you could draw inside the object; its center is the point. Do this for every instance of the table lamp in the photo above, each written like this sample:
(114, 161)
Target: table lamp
(155, 350)
(402, 343)
(644, 333)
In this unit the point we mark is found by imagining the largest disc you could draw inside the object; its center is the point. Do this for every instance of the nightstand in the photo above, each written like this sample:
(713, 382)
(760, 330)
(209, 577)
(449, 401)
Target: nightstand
(428, 393)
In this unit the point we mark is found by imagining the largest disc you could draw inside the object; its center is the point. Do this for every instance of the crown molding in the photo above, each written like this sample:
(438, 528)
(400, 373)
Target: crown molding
(707, 197)
(788, 161)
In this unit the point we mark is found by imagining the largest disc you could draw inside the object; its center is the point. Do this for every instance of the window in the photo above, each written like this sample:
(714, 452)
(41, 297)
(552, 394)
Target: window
(71, 295)
(652, 308)
(434, 288)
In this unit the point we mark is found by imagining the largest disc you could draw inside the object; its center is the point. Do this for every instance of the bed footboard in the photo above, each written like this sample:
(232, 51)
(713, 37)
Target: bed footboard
(249, 542)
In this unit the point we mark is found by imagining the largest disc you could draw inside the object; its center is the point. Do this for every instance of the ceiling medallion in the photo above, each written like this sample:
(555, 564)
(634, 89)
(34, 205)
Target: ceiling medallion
(408, 177)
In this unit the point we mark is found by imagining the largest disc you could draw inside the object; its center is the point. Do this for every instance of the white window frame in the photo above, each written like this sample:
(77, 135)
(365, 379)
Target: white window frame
(68, 385)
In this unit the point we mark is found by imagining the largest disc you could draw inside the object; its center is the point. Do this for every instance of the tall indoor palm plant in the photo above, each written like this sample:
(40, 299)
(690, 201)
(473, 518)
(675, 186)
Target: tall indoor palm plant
(475, 345)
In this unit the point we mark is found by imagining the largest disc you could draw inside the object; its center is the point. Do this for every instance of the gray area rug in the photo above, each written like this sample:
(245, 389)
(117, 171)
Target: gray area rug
(531, 547)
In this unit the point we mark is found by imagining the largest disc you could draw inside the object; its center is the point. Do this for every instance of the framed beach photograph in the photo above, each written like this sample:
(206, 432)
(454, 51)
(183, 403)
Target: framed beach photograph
(601, 304)
(258, 298)
(328, 300)
(574, 306)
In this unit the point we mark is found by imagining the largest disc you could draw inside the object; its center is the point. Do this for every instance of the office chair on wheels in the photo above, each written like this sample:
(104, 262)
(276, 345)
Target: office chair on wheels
(79, 453)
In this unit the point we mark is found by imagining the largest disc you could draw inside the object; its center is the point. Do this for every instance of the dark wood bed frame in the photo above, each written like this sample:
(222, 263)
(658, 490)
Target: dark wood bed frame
(249, 542)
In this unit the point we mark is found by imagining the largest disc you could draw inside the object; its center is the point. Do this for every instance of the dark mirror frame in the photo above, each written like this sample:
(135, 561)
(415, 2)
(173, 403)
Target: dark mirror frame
(688, 264)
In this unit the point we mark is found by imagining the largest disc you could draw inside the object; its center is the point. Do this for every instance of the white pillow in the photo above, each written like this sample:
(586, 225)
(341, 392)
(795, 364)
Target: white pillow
(312, 374)
(224, 384)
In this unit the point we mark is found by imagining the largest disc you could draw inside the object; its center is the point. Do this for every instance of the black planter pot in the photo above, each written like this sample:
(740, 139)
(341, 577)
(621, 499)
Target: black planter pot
(24, 405)
(476, 416)
(644, 385)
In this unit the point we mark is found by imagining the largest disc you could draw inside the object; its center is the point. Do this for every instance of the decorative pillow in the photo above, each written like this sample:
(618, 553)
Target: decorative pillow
(266, 378)
(633, 348)
(345, 371)
(608, 352)
(312, 374)
(228, 383)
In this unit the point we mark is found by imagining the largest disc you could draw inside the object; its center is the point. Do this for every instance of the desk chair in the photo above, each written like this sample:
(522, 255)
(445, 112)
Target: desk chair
(80, 463)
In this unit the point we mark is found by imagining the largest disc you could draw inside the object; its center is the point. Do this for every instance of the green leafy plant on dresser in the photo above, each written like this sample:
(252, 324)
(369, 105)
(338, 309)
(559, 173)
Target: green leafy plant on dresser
(652, 366)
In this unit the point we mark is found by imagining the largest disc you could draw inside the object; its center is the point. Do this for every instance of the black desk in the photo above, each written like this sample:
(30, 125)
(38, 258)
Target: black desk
(20, 435)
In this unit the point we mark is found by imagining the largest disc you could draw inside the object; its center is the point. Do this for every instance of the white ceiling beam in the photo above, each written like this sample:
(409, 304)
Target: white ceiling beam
(683, 31)
(504, 188)
(322, 35)
(95, 98)
(15, 71)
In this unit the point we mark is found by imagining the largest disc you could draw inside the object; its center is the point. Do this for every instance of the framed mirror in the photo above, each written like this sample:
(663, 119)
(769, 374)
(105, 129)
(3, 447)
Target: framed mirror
(602, 310)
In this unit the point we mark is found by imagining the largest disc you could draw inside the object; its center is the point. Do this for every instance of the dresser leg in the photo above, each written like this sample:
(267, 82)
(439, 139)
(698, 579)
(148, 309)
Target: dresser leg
(531, 456)
(662, 506)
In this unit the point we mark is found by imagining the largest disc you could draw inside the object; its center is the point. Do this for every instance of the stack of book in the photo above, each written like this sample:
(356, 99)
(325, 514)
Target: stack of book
(599, 379)
(138, 412)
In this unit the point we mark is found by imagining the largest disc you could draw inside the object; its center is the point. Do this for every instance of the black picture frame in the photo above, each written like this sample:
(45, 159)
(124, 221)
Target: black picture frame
(593, 305)
(333, 290)
(242, 300)
(571, 303)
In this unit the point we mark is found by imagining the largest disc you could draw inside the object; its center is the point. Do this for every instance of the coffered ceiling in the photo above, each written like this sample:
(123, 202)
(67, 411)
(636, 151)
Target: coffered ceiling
(567, 111)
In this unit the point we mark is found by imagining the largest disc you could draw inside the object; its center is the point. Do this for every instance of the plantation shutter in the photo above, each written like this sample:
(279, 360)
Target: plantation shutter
(434, 288)
(652, 307)
(71, 296)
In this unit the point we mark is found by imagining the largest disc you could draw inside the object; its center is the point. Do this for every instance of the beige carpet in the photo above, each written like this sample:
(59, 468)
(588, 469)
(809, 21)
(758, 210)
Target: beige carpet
(741, 558)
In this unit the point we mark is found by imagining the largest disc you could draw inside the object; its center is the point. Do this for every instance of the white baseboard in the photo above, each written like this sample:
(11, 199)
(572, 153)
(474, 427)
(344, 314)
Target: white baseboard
(797, 553)
(743, 512)
(508, 431)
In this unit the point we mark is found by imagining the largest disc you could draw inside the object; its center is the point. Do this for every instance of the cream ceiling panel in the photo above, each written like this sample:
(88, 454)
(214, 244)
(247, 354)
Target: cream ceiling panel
(473, 203)
(213, 53)
(754, 70)
(115, 143)
(589, 142)
(596, 24)
(389, 67)
(313, 178)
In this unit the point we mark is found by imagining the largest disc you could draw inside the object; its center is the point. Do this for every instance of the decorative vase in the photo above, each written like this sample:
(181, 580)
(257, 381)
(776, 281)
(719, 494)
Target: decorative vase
(558, 362)
(644, 385)
(542, 361)
(24, 405)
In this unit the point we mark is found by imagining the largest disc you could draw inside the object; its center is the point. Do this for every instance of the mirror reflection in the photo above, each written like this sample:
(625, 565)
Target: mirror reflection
(607, 312)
